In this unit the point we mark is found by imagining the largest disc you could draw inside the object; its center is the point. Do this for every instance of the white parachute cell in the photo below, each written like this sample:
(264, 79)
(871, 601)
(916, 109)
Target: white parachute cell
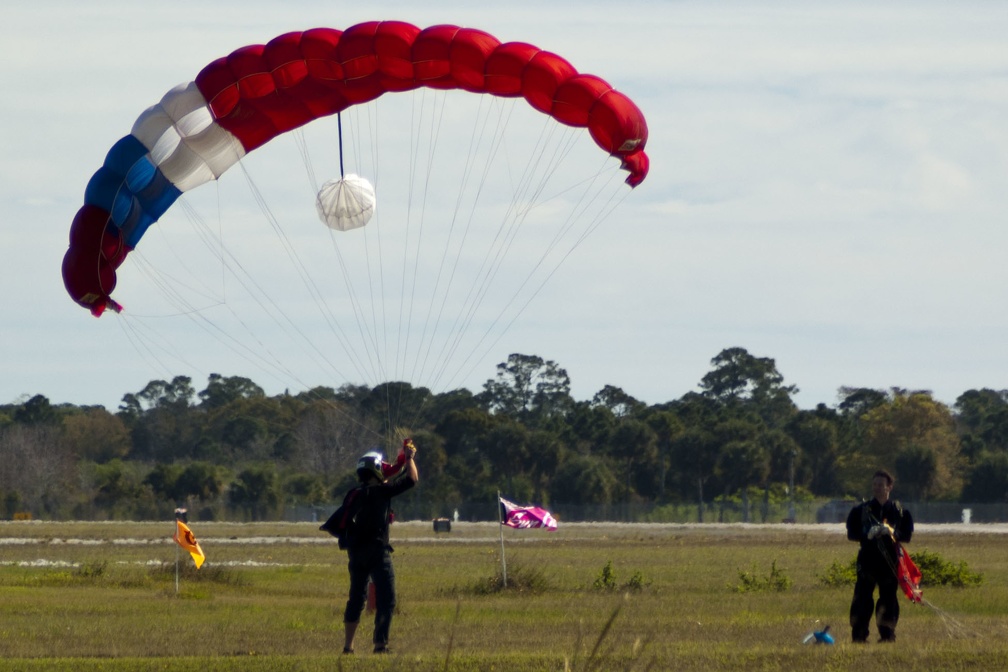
(346, 203)
(184, 143)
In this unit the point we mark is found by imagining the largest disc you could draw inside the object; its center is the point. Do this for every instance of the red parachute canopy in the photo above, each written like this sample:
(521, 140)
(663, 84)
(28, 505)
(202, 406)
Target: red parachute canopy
(243, 100)
(908, 575)
(261, 91)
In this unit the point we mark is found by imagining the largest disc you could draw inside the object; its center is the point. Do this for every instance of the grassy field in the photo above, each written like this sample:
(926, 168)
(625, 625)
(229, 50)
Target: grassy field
(102, 596)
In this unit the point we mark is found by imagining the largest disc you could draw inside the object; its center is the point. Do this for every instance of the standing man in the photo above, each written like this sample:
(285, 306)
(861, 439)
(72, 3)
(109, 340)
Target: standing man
(368, 548)
(878, 525)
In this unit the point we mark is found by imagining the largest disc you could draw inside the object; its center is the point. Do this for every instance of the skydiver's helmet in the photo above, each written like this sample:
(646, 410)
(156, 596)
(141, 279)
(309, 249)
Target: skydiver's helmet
(370, 464)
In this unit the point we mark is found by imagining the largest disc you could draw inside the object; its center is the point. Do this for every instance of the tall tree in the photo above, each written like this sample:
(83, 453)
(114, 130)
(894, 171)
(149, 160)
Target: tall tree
(915, 430)
(176, 395)
(815, 432)
(256, 491)
(739, 377)
(159, 420)
(396, 405)
(97, 435)
(856, 401)
(988, 480)
(742, 459)
(620, 403)
(528, 388)
(221, 391)
(546, 453)
(467, 465)
(983, 415)
(632, 443)
(694, 458)
(666, 426)
(201, 481)
(36, 411)
(583, 480)
(505, 448)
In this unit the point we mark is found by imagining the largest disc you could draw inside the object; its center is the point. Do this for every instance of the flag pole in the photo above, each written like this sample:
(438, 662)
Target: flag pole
(176, 566)
(180, 514)
(500, 524)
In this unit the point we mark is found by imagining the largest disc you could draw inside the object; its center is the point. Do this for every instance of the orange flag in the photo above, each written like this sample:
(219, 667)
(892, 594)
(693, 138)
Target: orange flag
(187, 540)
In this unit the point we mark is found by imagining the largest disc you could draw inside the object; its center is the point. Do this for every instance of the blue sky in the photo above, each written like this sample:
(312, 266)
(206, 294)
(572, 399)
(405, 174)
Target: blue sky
(827, 188)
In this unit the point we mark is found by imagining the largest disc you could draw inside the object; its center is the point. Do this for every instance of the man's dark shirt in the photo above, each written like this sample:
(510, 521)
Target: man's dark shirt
(372, 520)
(865, 516)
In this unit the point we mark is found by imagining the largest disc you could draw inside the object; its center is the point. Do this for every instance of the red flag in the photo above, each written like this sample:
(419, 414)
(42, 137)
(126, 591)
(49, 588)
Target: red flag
(513, 515)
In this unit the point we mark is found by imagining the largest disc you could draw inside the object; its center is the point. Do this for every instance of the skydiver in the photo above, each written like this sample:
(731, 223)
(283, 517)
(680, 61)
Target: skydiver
(878, 525)
(368, 549)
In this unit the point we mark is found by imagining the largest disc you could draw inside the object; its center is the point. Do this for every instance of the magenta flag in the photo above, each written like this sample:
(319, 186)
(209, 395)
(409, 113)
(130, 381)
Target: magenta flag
(513, 515)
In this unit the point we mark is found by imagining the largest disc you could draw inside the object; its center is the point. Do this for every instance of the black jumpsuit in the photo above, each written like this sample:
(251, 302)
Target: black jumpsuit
(369, 556)
(876, 565)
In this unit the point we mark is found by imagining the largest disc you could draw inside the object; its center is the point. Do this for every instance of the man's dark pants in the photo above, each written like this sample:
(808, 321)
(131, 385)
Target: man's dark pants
(375, 563)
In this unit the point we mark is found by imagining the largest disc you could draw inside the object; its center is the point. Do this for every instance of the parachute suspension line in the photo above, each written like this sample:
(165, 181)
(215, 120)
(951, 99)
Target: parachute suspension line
(436, 122)
(220, 243)
(269, 361)
(375, 335)
(506, 234)
(584, 206)
(367, 335)
(370, 331)
(376, 274)
(273, 308)
(380, 329)
(407, 297)
(954, 628)
(430, 128)
(262, 298)
(535, 292)
(197, 315)
(392, 369)
(142, 345)
(302, 146)
(574, 217)
(355, 303)
(169, 284)
(406, 314)
(460, 325)
(306, 279)
(431, 323)
(339, 131)
(602, 213)
(473, 299)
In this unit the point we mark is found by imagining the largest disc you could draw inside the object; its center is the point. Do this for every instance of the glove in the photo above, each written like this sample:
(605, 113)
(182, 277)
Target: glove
(880, 530)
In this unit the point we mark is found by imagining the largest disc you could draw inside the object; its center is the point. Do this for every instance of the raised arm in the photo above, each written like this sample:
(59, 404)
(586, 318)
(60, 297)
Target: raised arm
(411, 468)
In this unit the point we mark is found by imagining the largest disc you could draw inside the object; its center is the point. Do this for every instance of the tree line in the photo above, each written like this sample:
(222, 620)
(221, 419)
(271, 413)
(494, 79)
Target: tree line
(230, 451)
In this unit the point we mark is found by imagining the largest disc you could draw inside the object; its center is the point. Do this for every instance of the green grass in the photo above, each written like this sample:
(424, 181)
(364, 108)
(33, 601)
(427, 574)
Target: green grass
(271, 597)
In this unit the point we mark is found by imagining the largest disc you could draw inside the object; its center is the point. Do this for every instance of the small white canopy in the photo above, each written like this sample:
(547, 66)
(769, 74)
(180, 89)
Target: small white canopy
(346, 203)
